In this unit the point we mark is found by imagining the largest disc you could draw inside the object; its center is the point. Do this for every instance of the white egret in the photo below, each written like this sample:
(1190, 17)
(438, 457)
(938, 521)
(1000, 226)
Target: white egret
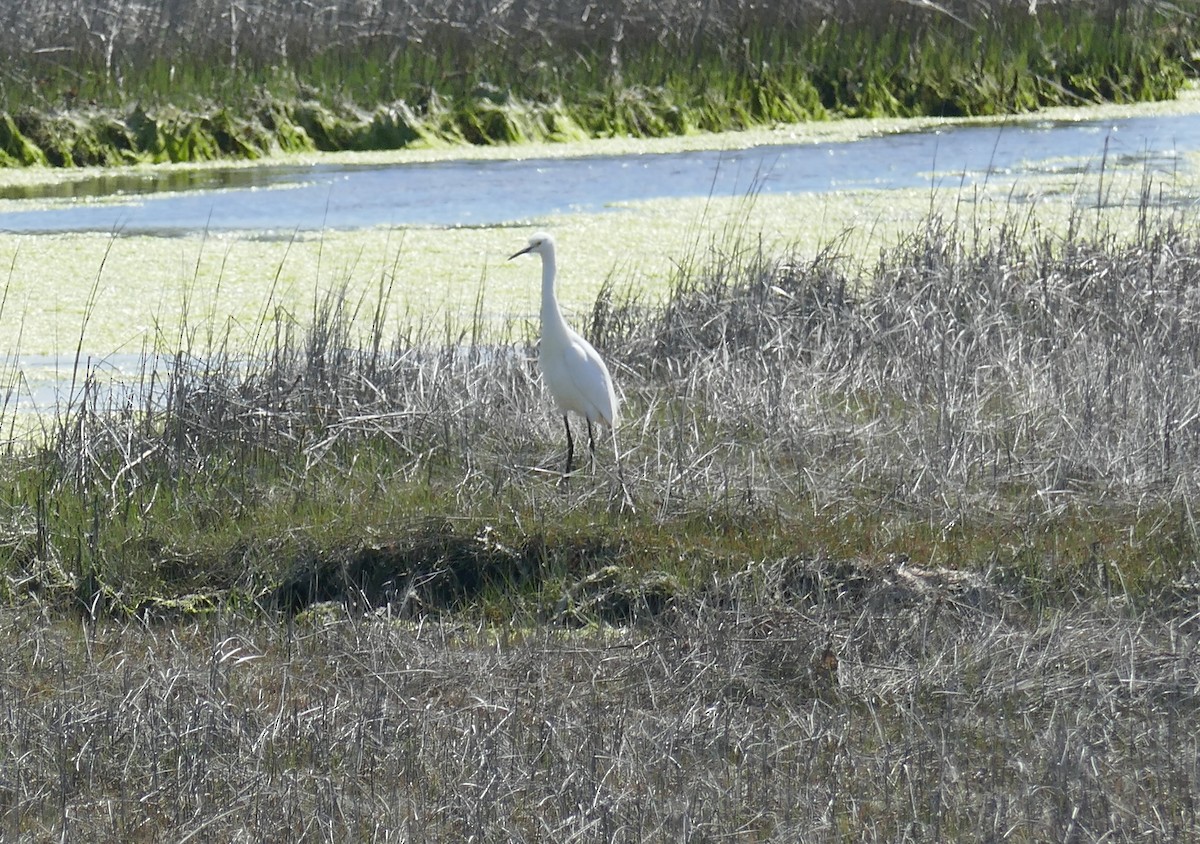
(573, 370)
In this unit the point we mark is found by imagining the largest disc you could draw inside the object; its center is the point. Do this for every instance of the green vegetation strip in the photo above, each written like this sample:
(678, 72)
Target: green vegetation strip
(197, 82)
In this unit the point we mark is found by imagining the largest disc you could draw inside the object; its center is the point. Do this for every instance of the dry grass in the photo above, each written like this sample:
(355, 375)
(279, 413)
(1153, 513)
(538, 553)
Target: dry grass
(114, 34)
(978, 377)
(937, 713)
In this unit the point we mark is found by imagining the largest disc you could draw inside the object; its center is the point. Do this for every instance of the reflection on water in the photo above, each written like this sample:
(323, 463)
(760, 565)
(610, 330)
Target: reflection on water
(272, 198)
(50, 384)
(122, 182)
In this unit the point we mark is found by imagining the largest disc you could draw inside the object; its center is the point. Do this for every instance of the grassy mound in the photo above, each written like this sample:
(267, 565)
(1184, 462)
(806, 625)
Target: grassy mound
(1011, 403)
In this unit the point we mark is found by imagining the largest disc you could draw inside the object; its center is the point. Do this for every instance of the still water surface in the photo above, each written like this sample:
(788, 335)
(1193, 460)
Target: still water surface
(286, 198)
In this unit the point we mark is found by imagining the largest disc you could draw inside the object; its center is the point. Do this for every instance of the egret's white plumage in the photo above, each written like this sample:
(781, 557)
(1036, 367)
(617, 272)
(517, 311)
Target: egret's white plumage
(573, 370)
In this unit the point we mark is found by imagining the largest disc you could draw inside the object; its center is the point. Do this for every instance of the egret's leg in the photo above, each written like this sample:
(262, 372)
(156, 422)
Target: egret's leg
(591, 446)
(570, 445)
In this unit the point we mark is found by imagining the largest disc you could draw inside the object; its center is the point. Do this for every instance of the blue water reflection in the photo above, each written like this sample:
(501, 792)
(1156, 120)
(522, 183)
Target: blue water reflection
(288, 198)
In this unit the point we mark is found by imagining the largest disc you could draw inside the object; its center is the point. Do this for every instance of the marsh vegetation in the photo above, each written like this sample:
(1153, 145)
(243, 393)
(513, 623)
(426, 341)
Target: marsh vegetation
(915, 555)
(127, 81)
(915, 552)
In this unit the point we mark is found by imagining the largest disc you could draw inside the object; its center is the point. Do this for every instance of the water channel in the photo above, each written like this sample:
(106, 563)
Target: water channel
(288, 198)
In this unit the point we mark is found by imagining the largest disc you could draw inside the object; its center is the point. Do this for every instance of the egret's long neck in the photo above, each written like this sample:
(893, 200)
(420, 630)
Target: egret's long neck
(552, 318)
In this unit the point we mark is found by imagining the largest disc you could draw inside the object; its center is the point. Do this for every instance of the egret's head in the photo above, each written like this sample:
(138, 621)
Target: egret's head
(540, 243)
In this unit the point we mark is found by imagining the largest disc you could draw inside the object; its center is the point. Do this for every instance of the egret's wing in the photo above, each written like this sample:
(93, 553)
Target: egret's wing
(593, 381)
